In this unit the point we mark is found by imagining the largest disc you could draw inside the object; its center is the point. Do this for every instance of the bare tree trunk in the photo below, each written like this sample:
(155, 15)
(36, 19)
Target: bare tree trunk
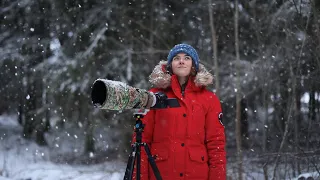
(284, 94)
(316, 16)
(312, 104)
(47, 111)
(284, 138)
(215, 48)
(292, 103)
(244, 124)
(238, 95)
(21, 113)
(30, 108)
(295, 123)
(265, 131)
(89, 146)
(153, 31)
(151, 35)
(89, 141)
(41, 121)
(265, 123)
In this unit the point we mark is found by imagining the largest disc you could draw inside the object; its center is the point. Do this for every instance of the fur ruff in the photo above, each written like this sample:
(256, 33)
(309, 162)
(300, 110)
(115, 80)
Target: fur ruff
(159, 78)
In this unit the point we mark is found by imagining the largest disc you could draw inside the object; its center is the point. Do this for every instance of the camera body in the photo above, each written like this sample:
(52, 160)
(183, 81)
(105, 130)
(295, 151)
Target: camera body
(162, 101)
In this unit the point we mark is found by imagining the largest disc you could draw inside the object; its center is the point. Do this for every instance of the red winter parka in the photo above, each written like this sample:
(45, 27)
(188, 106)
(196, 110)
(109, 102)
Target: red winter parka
(187, 142)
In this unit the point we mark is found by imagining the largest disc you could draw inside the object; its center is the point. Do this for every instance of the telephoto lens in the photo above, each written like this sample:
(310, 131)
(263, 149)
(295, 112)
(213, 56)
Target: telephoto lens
(115, 95)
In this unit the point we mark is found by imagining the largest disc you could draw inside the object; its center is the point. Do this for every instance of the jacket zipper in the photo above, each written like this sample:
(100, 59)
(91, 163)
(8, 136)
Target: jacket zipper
(183, 87)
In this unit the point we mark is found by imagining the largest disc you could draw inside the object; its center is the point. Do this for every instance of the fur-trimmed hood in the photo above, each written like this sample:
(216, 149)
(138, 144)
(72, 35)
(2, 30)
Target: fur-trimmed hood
(160, 78)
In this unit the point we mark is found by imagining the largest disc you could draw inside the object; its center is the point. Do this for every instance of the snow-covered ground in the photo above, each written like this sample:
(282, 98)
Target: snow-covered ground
(24, 160)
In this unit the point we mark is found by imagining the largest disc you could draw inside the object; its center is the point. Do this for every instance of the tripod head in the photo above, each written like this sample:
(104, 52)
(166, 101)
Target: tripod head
(139, 125)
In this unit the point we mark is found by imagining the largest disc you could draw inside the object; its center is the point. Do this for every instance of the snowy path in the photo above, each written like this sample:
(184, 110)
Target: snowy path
(24, 160)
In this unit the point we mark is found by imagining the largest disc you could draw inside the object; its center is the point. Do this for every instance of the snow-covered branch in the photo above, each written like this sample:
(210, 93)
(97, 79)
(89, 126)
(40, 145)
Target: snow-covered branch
(94, 44)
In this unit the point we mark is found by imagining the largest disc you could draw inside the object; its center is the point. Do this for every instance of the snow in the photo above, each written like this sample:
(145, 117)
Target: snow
(314, 175)
(129, 66)
(50, 171)
(55, 44)
(305, 98)
(22, 159)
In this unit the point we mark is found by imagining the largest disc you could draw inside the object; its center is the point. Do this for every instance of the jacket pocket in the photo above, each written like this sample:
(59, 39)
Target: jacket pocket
(160, 154)
(161, 158)
(198, 167)
(198, 155)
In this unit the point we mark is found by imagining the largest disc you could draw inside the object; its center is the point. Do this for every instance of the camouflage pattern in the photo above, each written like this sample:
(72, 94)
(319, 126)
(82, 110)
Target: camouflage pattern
(122, 96)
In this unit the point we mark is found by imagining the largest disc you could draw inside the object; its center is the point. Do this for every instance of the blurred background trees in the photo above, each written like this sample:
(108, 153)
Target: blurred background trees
(52, 51)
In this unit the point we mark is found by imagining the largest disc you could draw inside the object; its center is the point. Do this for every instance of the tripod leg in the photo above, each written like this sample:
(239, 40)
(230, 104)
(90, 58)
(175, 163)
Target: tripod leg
(130, 164)
(154, 167)
(138, 161)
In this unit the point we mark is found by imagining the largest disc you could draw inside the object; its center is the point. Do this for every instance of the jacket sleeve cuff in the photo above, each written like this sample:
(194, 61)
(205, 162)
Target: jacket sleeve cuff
(217, 173)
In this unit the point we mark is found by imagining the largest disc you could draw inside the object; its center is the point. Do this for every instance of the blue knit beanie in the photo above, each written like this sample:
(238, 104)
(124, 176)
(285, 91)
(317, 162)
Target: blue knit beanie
(184, 48)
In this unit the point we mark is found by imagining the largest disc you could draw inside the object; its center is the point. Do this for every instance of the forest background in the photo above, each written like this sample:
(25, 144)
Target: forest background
(264, 54)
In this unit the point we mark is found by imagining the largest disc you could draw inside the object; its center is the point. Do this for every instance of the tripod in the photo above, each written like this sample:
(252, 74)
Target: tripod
(136, 153)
